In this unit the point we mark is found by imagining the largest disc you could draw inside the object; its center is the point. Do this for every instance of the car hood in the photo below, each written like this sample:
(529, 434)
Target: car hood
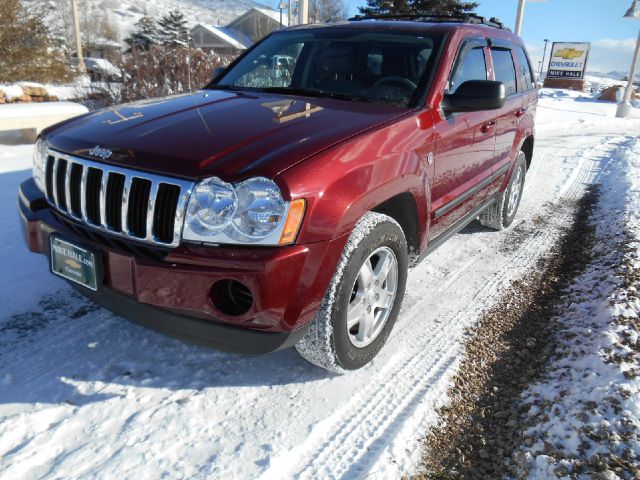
(213, 132)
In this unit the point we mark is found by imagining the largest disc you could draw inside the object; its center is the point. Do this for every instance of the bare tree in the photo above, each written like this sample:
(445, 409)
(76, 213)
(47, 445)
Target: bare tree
(61, 10)
(321, 11)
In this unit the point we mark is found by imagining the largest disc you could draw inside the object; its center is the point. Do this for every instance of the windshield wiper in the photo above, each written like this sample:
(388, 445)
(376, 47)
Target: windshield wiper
(217, 86)
(312, 92)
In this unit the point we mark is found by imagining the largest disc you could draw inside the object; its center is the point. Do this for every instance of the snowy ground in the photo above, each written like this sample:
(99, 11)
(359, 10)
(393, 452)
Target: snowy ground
(585, 416)
(86, 394)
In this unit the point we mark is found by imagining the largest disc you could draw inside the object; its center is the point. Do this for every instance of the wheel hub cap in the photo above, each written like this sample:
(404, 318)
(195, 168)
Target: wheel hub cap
(372, 297)
(515, 191)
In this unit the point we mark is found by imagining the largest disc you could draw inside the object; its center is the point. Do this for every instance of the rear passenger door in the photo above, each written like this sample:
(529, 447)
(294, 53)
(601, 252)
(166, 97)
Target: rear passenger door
(526, 81)
(464, 146)
(509, 115)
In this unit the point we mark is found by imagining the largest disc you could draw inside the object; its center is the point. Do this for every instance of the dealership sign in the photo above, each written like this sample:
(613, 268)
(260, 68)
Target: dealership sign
(568, 60)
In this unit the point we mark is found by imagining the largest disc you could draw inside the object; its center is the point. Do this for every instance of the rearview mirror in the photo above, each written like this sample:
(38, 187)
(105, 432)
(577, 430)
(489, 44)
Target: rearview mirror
(475, 95)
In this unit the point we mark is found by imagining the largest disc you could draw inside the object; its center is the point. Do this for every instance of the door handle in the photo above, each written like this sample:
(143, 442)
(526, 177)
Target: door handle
(487, 127)
(521, 113)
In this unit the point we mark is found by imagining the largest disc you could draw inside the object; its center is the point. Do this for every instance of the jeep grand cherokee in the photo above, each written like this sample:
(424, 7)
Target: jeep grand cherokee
(283, 203)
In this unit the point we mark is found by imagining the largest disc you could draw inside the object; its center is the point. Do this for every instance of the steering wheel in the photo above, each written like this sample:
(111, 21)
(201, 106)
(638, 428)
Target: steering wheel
(394, 80)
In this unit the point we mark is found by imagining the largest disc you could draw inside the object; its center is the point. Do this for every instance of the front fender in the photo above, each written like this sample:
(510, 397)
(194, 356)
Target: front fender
(343, 183)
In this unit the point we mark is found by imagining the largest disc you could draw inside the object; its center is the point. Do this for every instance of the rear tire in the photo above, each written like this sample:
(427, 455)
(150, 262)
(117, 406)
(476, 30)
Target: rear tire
(363, 299)
(502, 213)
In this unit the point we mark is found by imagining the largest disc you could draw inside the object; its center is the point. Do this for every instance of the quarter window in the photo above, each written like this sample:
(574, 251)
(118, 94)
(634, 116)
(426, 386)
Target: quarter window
(525, 68)
(472, 67)
(504, 68)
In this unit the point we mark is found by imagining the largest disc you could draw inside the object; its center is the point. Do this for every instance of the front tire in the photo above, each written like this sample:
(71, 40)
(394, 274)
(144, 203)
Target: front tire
(363, 299)
(502, 213)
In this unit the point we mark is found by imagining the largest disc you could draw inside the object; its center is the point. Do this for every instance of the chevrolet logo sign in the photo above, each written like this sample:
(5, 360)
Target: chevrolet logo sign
(569, 53)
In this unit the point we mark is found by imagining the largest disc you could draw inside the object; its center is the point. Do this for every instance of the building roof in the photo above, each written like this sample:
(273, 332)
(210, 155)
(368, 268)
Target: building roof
(272, 14)
(229, 35)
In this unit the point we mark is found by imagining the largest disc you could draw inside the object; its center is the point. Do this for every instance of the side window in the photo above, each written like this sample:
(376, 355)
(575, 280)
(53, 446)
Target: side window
(471, 66)
(504, 68)
(525, 67)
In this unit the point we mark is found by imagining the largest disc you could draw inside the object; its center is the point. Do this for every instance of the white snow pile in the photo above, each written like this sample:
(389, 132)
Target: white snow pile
(586, 414)
(11, 91)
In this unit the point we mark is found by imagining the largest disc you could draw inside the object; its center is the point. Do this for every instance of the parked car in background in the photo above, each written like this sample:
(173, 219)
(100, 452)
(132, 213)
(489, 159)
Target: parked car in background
(267, 211)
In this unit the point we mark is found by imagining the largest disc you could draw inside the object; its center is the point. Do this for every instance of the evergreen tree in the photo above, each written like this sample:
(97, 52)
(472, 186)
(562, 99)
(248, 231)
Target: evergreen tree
(145, 35)
(173, 29)
(417, 7)
(26, 50)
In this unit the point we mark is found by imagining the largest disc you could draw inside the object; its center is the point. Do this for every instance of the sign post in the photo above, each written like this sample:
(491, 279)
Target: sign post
(567, 65)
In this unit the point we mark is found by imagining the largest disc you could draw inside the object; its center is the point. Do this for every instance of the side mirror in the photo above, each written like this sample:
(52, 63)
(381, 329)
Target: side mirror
(474, 96)
(216, 72)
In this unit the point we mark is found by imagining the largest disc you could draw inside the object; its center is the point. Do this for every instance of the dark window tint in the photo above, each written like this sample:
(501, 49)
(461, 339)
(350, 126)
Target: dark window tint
(471, 67)
(504, 69)
(525, 69)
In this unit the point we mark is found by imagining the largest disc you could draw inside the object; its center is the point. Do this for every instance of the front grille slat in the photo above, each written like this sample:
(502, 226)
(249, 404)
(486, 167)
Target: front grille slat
(164, 216)
(83, 194)
(124, 204)
(115, 187)
(153, 200)
(61, 184)
(134, 205)
(94, 181)
(49, 178)
(74, 191)
(138, 207)
(103, 200)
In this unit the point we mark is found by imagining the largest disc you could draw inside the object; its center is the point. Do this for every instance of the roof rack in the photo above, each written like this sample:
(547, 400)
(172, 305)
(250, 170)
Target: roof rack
(470, 18)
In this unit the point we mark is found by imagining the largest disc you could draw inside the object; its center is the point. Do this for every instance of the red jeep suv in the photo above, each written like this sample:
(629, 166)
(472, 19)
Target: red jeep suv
(283, 204)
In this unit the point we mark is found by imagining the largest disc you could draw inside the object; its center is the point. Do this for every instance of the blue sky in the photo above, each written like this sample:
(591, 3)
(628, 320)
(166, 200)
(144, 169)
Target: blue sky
(600, 22)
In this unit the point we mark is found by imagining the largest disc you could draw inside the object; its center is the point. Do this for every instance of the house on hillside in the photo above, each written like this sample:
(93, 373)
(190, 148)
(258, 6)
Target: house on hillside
(240, 34)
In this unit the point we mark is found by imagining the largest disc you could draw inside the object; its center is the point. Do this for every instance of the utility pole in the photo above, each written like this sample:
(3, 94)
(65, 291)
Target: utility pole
(624, 108)
(303, 12)
(290, 13)
(519, 17)
(544, 54)
(76, 26)
(188, 58)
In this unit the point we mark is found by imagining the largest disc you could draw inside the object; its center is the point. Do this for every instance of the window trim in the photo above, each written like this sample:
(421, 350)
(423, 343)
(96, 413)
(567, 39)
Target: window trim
(531, 75)
(505, 46)
(469, 43)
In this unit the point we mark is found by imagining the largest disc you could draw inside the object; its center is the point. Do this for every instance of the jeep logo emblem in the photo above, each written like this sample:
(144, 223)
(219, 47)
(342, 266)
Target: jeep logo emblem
(100, 152)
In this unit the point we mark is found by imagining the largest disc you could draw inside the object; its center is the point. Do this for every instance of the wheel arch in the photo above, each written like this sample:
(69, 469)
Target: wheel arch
(404, 210)
(527, 148)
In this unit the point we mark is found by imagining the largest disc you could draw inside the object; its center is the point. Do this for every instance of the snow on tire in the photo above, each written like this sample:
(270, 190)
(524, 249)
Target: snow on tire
(502, 213)
(363, 298)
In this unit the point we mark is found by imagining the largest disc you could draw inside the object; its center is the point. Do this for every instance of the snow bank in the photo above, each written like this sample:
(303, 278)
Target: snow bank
(11, 91)
(21, 110)
(586, 414)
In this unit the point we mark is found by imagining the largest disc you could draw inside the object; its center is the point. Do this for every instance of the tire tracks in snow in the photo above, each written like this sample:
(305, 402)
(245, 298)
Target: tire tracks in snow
(350, 440)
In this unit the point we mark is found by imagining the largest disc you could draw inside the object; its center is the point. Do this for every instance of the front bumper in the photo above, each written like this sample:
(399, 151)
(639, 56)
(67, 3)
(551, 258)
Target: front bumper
(172, 290)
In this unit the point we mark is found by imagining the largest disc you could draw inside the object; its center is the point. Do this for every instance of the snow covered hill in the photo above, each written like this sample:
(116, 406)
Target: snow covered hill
(124, 14)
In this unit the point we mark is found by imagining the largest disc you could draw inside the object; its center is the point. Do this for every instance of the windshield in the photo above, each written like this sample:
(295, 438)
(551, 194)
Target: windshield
(376, 67)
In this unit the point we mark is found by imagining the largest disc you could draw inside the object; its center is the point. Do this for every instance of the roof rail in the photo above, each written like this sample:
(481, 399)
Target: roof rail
(470, 18)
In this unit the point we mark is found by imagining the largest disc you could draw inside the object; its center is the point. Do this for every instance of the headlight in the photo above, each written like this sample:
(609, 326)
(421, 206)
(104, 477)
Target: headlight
(252, 212)
(212, 206)
(40, 164)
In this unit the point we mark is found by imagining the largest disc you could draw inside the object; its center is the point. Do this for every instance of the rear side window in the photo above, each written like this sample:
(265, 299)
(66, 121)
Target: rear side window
(504, 68)
(470, 67)
(525, 68)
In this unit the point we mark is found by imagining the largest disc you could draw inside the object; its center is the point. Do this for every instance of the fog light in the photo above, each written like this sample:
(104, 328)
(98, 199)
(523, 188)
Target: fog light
(231, 297)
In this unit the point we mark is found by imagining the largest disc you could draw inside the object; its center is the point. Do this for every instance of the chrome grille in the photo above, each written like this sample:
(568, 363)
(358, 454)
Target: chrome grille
(122, 202)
